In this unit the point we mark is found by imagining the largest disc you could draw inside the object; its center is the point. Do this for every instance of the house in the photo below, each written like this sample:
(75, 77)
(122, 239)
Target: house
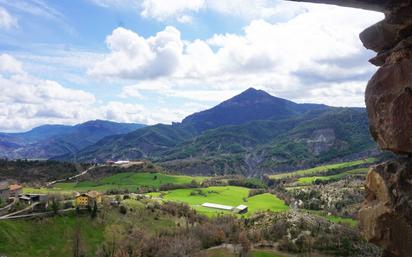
(15, 190)
(33, 198)
(4, 192)
(241, 209)
(88, 199)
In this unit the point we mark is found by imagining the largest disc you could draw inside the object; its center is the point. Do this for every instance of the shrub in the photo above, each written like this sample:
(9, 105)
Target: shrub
(123, 209)
(253, 192)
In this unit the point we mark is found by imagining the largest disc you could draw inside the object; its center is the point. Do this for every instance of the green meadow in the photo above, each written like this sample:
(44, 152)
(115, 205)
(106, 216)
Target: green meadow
(48, 237)
(226, 195)
(264, 253)
(310, 180)
(122, 181)
(322, 169)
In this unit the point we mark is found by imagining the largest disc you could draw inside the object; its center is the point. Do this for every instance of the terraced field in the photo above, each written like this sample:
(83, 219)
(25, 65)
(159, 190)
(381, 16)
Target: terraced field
(129, 180)
(226, 195)
(312, 179)
(322, 169)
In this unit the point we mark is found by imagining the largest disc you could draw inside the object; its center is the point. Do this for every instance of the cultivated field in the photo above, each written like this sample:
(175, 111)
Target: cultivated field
(312, 179)
(323, 169)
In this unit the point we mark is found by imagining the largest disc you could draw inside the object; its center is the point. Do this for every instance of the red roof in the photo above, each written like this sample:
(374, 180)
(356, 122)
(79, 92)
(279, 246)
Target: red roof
(15, 187)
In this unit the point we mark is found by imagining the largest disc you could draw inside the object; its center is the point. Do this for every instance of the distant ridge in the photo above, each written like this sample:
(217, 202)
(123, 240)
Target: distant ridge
(48, 141)
(251, 133)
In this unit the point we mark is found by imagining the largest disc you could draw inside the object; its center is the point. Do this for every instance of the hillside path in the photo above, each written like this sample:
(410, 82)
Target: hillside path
(72, 177)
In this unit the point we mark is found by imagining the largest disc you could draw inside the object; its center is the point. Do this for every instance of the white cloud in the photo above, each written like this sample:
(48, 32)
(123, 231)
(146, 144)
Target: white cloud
(135, 57)
(184, 10)
(204, 95)
(254, 9)
(163, 9)
(42, 9)
(185, 19)
(348, 94)
(127, 4)
(6, 20)
(283, 58)
(8, 64)
(27, 101)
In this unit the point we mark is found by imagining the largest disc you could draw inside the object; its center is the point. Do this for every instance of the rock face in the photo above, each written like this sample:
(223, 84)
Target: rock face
(389, 93)
(389, 103)
(321, 141)
(386, 216)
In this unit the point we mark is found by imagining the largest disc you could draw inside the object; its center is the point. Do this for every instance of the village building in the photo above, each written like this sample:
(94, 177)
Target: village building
(88, 199)
(4, 192)
(33, 198)
(15, 190)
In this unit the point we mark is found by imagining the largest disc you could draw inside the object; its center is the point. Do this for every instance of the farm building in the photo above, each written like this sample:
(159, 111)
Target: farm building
(88, 199)
(121, 162)
(4, 192)
(15, 190)
(218, 206)
(241, 209)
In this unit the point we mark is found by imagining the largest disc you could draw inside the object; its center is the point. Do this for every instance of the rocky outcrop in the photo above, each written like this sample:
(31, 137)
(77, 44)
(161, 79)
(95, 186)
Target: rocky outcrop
(389, 93)
(386, 216)
(321, 141)
(389, 103)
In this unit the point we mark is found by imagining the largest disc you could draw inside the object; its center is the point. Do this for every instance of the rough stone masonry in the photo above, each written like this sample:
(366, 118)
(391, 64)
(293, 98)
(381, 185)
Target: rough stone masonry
(386, 214)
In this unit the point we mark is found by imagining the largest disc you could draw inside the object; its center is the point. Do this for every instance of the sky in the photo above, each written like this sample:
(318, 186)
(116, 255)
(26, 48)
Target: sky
(157, 61)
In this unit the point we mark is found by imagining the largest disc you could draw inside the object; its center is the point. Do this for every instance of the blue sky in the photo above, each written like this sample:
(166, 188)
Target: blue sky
(151, 61)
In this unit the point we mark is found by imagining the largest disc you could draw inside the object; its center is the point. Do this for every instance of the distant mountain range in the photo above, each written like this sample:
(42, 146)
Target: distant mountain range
(49, 141)
(252, 133)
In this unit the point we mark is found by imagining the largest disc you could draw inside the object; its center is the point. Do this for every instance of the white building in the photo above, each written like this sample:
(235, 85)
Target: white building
(218, 206)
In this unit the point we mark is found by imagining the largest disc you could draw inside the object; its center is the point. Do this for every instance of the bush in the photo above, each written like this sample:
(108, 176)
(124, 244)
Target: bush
(253, 192)
(198, 192)
(248, 182)
(123, 209)
(170, 186)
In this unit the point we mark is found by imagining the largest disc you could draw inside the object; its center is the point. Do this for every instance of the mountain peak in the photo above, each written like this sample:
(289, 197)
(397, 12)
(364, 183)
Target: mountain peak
(253, 97)
(253, 92)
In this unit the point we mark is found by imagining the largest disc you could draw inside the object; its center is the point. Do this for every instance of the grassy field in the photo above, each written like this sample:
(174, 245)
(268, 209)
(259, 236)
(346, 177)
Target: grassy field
(323, 169)
(219, 253)
(48, 237)
(310, 180)
(264, 253)
(334, 219)
(227, 195)
(129, 180)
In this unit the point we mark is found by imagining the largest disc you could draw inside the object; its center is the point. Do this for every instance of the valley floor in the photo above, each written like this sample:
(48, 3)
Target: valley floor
(282, 211)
